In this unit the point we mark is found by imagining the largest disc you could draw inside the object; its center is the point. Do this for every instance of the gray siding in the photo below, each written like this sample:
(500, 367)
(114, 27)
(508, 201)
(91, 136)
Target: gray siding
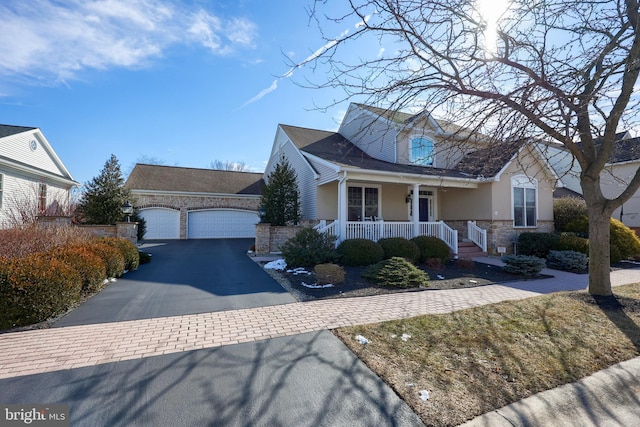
(372, 134)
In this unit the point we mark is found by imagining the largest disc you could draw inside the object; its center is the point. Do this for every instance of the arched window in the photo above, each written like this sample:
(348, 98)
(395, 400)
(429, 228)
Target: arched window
(421, 151)
(525, 196)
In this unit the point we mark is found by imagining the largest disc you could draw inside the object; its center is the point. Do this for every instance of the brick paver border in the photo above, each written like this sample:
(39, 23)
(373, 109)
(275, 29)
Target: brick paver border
(46, 350)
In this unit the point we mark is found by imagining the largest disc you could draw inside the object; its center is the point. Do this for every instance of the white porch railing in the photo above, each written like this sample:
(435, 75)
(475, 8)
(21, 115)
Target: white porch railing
(477, 235)
(376, 230)
(323, 227)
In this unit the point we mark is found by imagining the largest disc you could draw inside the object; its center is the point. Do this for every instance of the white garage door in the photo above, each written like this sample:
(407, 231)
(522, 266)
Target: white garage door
(161, 223)
(222, 223)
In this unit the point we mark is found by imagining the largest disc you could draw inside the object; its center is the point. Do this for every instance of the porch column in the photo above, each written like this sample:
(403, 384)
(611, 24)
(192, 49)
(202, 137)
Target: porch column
(415, 208)
(342, 208)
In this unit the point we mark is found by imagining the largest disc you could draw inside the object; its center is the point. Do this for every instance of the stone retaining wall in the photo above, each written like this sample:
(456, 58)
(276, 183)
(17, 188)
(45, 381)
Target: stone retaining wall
(269, 239)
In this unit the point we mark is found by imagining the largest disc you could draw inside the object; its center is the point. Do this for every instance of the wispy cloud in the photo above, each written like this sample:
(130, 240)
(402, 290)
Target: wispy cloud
(46, 40)
(291, 70)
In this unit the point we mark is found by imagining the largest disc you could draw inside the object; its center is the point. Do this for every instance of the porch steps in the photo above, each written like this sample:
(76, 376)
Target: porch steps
(468, 250)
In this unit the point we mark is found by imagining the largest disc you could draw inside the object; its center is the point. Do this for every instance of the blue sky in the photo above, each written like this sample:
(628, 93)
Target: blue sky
(184, 82)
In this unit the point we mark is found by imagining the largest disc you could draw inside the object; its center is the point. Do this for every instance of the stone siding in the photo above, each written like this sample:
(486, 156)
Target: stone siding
(500, 233)
(126, 230)
(269, 239)
(188, 203)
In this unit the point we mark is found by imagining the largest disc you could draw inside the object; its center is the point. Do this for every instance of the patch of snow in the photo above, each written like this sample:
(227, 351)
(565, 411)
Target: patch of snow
(405, 337)
(278, 264)
(393, 335)
(630, 262)
(112, 279)
(362, 340)
(316, 286)
(473, 281)
(298, 270)
(424, 395)
(409, 384)
(440, 277)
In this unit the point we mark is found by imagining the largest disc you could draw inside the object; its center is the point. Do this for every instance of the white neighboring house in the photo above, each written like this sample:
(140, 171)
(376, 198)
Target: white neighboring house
(33, 179)
(617, 173)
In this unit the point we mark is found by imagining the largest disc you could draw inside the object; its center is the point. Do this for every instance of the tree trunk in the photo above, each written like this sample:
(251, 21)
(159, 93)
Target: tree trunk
(599, 256)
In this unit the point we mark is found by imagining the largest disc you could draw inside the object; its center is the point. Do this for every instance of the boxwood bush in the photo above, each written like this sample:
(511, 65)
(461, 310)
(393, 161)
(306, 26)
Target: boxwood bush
(396, 272)
(329, 274)
(89, 265)
(432, 247)
(536, 244)
(400, 247)
(308, 248)
(524, 265)
(567, 261)
(571, 242)
(35, 288)
(127, 248)
(566, 209)
(112, 257)
(356, 252)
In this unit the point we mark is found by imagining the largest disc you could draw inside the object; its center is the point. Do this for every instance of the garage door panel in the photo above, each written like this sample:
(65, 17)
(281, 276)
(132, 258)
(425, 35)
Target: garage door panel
(161, 223)
(221, 223)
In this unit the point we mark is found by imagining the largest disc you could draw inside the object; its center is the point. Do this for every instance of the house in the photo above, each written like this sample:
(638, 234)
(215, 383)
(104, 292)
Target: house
(189, 203)
(387, 174)
(616, 175)
(33, 179)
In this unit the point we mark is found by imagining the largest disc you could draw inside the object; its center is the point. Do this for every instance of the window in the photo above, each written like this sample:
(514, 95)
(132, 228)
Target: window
(421, 151)
(42, 197)
(524, 201)
(362, 203)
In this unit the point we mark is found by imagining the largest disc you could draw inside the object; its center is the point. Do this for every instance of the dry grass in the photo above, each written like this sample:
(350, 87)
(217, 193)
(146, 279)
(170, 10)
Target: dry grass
(477, 360)
(22, 241)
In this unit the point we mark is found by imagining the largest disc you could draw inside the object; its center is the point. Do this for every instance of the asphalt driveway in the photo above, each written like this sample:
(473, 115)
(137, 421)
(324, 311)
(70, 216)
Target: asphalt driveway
(310, 379)
(184, 277)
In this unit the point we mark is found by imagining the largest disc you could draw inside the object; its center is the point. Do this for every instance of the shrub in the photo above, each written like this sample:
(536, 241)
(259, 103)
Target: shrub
(329, 274)
(566, 209)
(396, 272)
(570, 242)
(536, 244)
(567, 260)
(112, 257)
(359, 252)
(144, 257)
(432, 247)
(22, 241)
(524, 265)
(35, 288)
(308, 248)
(128, 250)
(399, 246)
(89, 266)
(625, 239)
(614, 253)
(578, 225)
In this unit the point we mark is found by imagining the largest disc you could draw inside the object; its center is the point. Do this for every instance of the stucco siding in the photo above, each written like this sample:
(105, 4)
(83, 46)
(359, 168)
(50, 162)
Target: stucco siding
(461, 204)
(328, 201)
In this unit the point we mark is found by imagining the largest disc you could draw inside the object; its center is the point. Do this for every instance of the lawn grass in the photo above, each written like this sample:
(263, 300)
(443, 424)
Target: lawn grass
(477, 360)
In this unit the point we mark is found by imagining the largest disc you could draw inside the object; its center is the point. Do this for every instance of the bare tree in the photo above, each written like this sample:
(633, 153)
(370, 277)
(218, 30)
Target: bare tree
(559, 71)
(27, 204)
(230, 166)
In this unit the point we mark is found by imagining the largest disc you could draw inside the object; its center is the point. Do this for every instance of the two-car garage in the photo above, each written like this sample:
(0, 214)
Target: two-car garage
(190, 203)
(164, 223)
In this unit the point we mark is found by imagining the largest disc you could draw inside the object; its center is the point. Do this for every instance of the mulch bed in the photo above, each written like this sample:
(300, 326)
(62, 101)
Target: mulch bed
(453, 275)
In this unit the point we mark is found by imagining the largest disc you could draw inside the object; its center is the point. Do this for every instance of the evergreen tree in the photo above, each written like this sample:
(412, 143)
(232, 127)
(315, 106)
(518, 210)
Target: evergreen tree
(103, 196)
(280, 197)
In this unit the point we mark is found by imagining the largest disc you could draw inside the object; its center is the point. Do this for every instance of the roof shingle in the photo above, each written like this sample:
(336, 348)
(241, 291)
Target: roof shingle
(192, 180)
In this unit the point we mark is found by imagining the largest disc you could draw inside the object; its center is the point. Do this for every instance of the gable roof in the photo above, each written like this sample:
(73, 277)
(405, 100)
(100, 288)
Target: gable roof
(335, 148)
(192, 180)
(8, 130)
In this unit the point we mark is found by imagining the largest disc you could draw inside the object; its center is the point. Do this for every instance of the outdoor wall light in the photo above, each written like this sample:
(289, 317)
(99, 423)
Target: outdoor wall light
(408, 198)
(127, 209)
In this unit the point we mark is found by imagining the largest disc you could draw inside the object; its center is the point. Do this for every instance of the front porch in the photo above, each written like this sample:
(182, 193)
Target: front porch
(376, 230)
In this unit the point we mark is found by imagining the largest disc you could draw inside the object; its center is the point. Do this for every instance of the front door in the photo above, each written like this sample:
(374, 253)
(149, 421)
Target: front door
(424, 209)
